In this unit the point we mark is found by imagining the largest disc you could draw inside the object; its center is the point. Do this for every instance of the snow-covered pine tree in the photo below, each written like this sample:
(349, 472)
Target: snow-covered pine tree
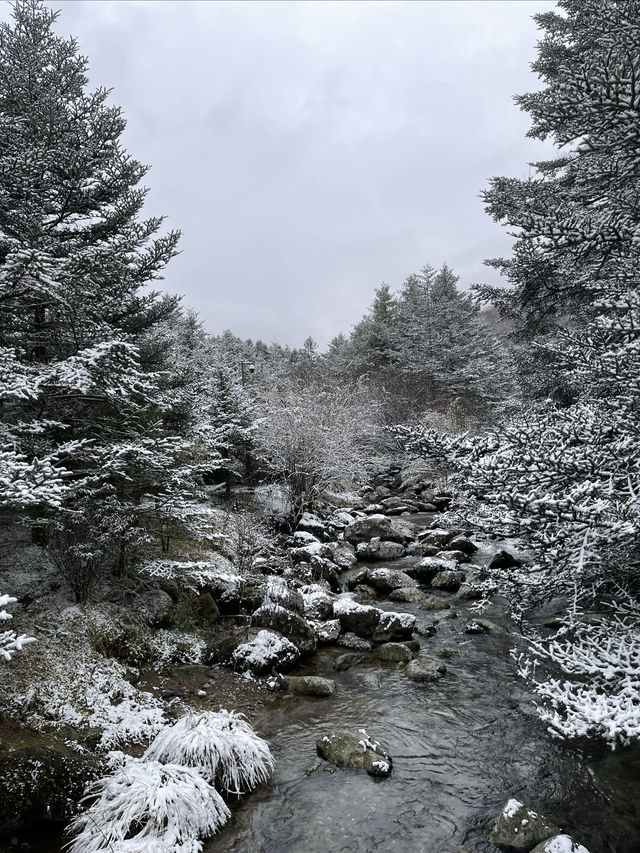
(80, 408)
(569, 471)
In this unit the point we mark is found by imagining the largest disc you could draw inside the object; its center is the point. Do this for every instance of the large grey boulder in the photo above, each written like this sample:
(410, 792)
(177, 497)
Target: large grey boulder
(355, 749)
(386, 580)
(434, 602)
(318, 603)
(407, 595)
(377, 526)
(291, 625)
(352, 641)
(327, 632)
(520, 827)
(393, 626)
(449, 581)
(267, 651)
(360, 619)
(425, 670)
(341, 553)
(437, 536)
(347, 660)
(379, 549)
(427, 568)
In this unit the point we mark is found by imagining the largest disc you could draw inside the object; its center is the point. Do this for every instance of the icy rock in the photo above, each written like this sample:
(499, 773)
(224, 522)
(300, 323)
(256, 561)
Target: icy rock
(310, 523)
(520, 827)
(318, 604)
(155, 607)
(341, 553)
(425, 670)
(438, 536)
(361, 619)
(355, 749)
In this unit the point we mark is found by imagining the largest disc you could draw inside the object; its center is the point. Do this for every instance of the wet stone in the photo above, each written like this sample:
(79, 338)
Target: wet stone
(353, 641)
(520, 827)
(348, 660)
(394, 653)
(425, 670)
(355, 749)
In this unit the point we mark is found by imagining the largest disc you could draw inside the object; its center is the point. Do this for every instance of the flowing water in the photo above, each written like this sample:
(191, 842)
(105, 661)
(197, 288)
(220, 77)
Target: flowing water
(461, 746)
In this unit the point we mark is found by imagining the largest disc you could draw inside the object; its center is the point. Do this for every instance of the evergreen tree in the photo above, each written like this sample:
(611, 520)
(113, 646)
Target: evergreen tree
(80, 408)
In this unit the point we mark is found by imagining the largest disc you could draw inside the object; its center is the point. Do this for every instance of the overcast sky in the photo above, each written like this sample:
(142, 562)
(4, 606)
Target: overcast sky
(311, 150)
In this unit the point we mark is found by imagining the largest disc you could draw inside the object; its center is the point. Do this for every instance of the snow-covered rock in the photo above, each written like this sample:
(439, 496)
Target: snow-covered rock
(264, 653)
(355, 749)
(520, 827)
(378, 549)
(377, 526)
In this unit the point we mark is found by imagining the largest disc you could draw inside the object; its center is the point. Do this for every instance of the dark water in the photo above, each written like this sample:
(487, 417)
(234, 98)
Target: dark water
(460, 747)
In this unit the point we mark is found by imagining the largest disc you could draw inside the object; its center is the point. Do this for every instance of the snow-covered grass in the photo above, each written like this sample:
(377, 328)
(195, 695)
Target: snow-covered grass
(176, 647)
(148, 807)
(221, 744)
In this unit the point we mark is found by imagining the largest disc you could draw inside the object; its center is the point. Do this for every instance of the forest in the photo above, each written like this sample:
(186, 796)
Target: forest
(230, 566)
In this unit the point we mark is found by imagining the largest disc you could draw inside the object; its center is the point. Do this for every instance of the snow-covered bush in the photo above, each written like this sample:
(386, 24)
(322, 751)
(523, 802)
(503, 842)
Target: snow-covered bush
(599, 691)
(148, 807)
(221, 744)
(10, 642)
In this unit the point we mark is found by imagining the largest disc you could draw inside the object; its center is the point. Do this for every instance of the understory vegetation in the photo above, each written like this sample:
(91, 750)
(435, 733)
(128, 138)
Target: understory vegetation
(155, 468)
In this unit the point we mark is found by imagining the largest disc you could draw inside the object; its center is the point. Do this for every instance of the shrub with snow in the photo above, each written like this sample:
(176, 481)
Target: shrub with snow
(222, 745)
(10, 642)
(148, 807)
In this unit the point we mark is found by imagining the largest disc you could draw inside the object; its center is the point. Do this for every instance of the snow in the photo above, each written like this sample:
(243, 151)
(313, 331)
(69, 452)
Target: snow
(222, 745)
(261, 652)
(511, 808)
(146, 806)
(563, 844)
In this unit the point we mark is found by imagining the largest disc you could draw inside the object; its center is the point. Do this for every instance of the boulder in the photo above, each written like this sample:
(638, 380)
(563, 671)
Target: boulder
(377, 526)
(448, 580)
(310, 523)
(156, 608)
(291, 625)
(393, 626)
(387, 580)
(341, 553)
(429, 567)
(267, 651)
(361, 619)
(454, 556)
(309, 685)
(504, 560)
(462, 543)
(407, 594)
(348, 660)
(437, 536)
(425, 670)
(302, 538)
(426, 629)
(324, 569)
(304, 553)
(559, 844)
(520, 827)
(453, 653)
(353, 641)
(434, 602)
(318, 603)
(394, 653)
(355, 749)
(208, 610)
(378, 549)
(280, 594)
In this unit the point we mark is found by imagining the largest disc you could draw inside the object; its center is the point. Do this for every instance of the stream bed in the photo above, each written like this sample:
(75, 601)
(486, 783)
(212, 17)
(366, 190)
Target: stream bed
(461, 747)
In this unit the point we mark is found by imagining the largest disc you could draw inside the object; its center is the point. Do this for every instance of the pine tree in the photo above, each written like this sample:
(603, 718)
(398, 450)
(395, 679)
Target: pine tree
(79, 403)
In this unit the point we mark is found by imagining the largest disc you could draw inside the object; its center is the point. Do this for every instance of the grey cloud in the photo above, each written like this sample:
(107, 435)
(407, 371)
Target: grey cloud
(310, 151)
